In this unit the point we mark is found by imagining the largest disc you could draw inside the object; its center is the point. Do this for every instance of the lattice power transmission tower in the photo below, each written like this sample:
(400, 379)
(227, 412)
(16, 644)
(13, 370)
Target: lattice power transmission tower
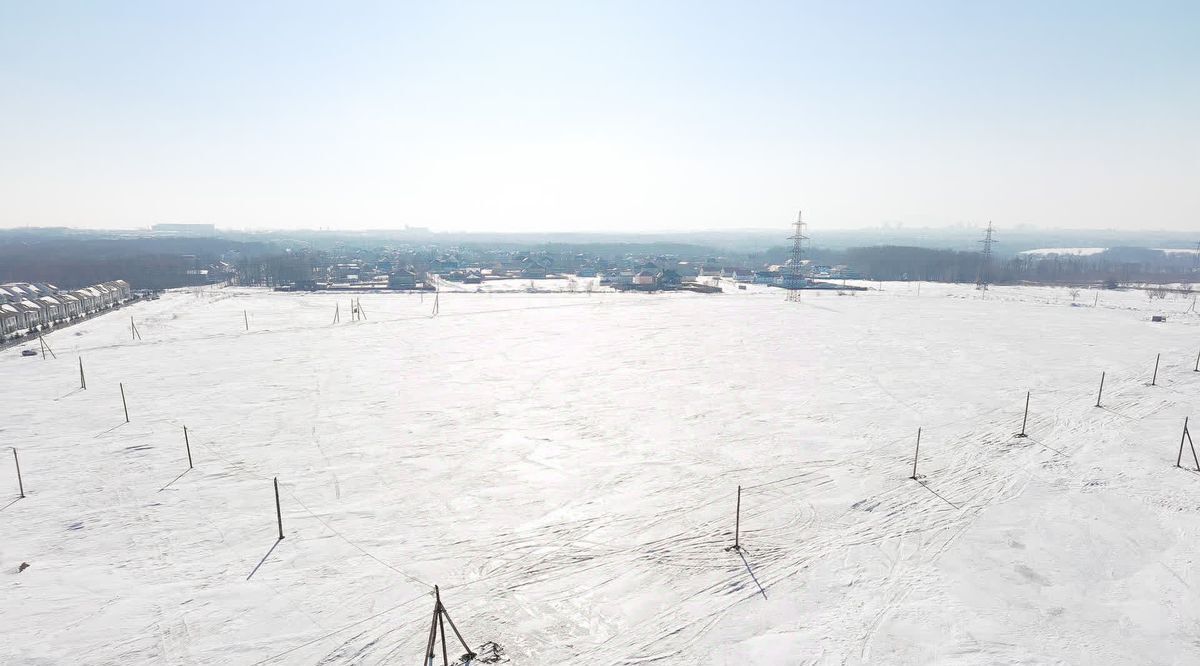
(794, 280)
(985, 262)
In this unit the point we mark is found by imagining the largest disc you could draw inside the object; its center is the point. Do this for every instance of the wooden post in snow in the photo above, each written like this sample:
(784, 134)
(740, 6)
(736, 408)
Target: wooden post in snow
(1026, 419)
(123, 403)
(737, 522)
(278, 511)
(915, 454)
(1188, 436)
(246, 318)
(1154, 379)
(20, 483)
(438, 625)
(1101, 389)
(188, 445)
(82, 379)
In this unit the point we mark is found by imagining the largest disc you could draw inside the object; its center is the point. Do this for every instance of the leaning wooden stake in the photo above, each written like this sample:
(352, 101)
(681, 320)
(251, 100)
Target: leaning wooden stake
(737, 522)
(915, 454)
(1101, 389)
(1197, 368)
(246, 318)
(123, 403)
(188, 445)
(82, 379)
(1188, 436)
(278, 511)
(20, 483)
(1154, 379)
(1026, 419)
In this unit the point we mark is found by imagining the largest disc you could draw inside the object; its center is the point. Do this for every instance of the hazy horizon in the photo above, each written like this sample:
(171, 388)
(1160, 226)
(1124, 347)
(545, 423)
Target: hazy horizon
(613, 118)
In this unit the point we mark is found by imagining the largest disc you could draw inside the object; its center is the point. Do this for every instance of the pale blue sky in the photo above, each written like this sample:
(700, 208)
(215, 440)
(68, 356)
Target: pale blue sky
(600, 116)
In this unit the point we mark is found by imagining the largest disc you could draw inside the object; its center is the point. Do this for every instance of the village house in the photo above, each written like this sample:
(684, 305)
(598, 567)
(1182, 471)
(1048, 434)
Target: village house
(26, 306)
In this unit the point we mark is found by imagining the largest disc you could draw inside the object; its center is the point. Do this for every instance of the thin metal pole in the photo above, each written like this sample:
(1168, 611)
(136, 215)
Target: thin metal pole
(123, 403)
(1197, 368)
(188, 445)
(278, 512)
(915, 454)
(82, 379)
(1026, 419)
(1154, 379)
(21, 484)
(737, 522)
(246, 317)
(1101, 389)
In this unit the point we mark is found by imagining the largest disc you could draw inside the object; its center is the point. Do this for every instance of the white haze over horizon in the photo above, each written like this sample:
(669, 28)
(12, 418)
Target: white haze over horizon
(621, 117)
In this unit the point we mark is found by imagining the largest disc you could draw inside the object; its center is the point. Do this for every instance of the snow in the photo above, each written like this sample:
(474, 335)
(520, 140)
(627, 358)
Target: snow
(1074, 251)
(565, 465)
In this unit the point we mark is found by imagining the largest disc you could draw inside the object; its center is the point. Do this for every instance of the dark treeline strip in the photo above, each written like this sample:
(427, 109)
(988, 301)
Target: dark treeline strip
(146, 263)
(1112, 267)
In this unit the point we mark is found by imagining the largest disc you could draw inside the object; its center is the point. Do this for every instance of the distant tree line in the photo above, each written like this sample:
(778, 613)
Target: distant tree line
(1113, 266)
(279, 268)
(146, 263)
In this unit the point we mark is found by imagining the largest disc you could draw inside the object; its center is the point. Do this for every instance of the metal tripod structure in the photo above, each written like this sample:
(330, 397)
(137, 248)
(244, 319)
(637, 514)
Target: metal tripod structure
(439, 612)
(981, 283)
(795, 275)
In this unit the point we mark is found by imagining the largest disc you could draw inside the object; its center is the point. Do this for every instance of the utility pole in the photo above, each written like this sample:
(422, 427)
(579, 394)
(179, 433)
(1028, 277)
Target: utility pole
(794, 280)
(986, 259)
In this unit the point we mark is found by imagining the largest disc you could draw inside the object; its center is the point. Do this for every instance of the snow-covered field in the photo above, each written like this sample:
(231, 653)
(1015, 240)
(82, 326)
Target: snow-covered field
(565, 467)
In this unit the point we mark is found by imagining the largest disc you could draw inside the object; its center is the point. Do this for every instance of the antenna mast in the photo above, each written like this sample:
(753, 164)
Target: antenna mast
(794, 281)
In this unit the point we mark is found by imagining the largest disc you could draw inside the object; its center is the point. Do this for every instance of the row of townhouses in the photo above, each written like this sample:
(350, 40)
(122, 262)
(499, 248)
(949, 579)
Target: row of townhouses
(26, 307)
